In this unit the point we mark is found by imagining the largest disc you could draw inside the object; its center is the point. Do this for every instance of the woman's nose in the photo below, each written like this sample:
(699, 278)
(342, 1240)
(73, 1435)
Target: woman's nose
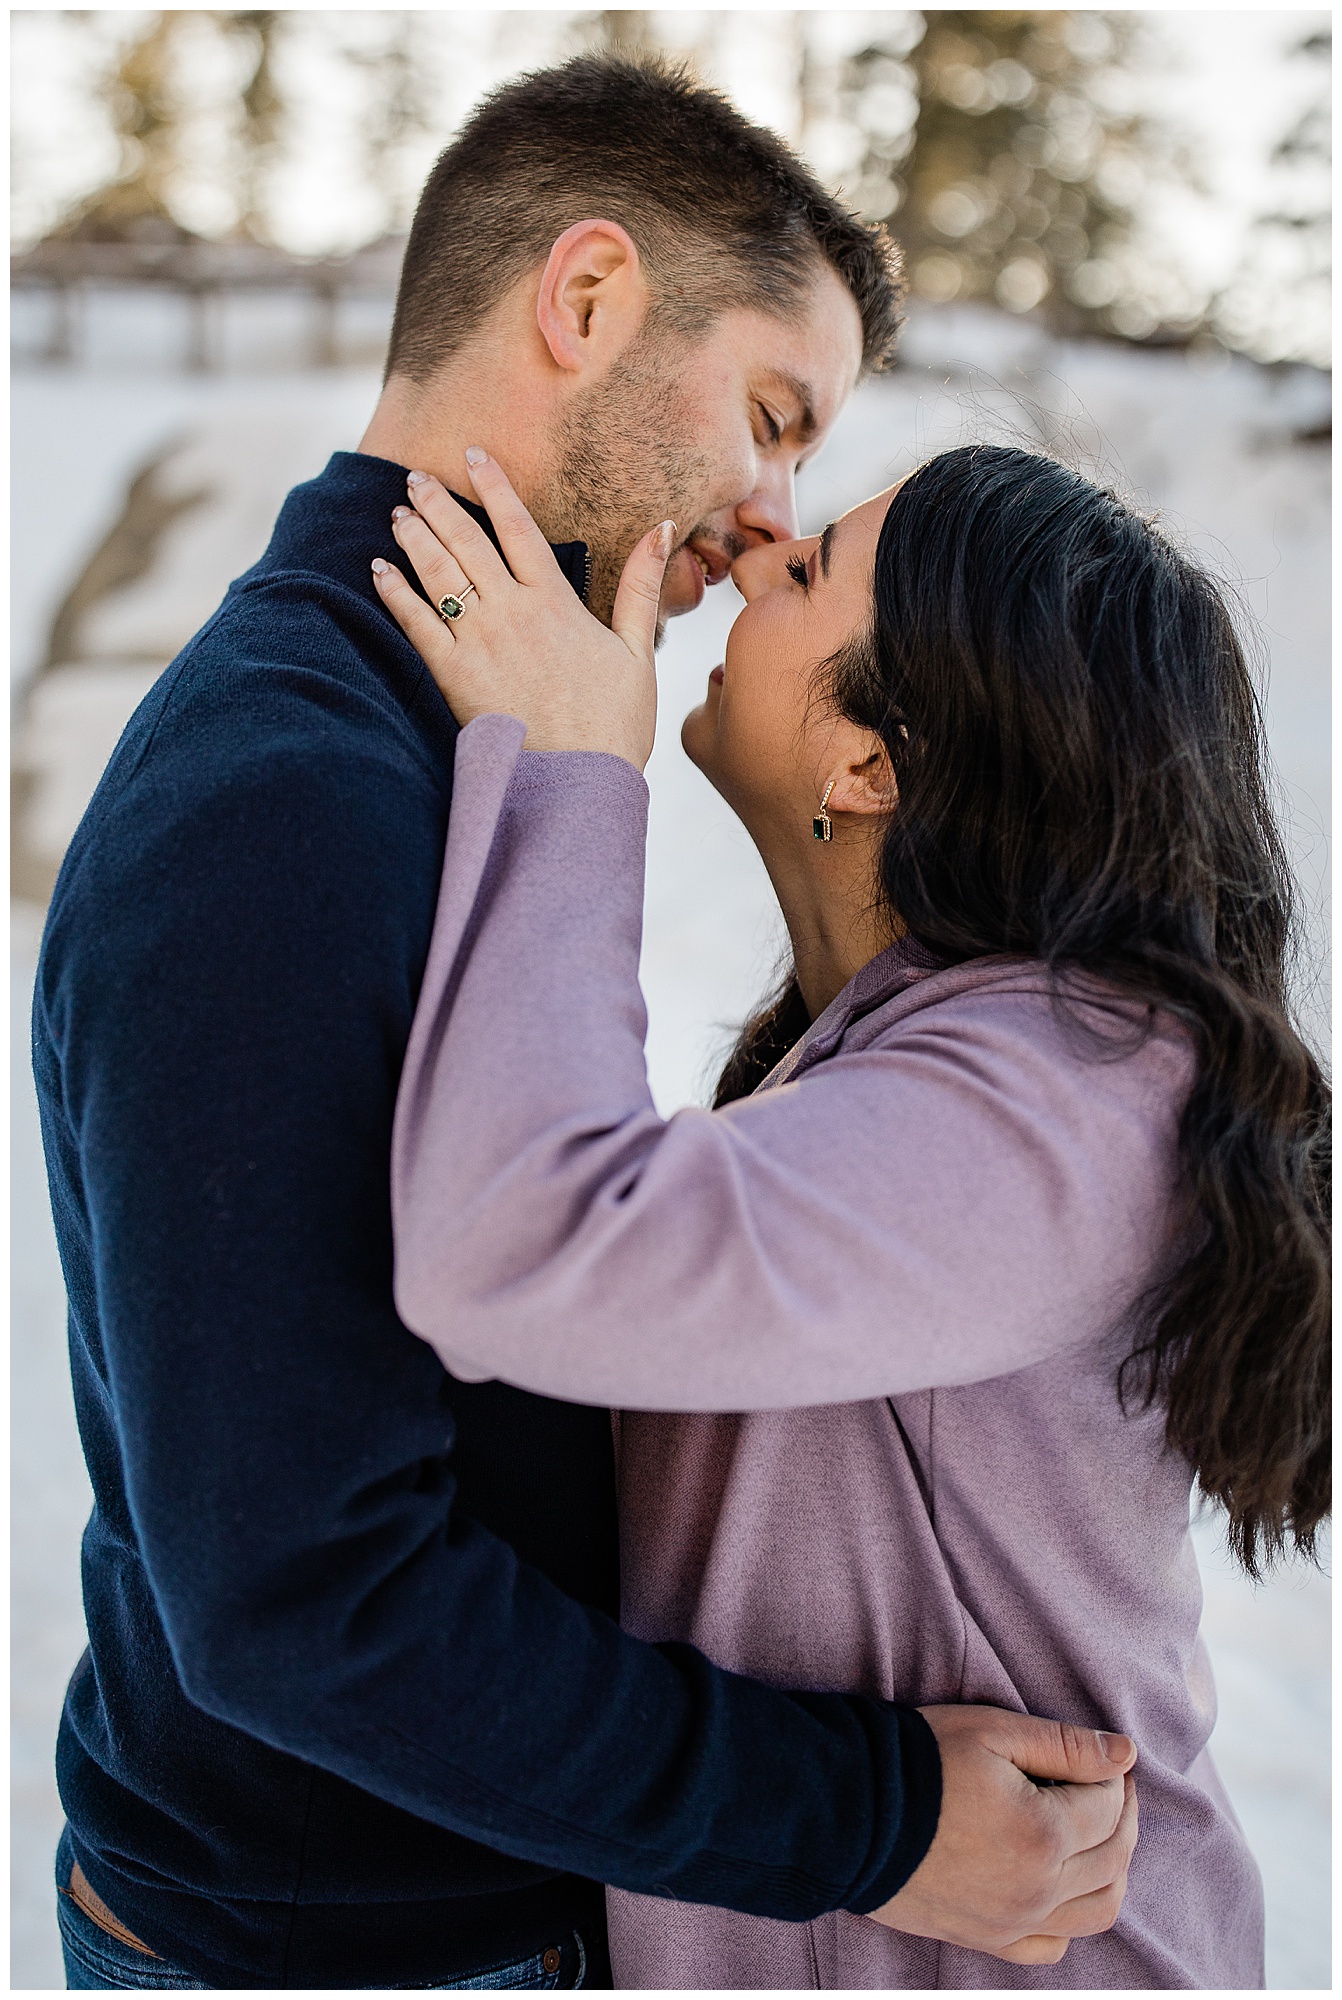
(765, 566)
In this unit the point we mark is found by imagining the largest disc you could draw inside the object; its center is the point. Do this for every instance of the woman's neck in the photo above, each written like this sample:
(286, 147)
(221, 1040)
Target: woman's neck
(836, 924)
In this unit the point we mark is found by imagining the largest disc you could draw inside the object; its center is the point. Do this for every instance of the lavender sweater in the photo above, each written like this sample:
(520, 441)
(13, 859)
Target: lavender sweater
(887, 1295)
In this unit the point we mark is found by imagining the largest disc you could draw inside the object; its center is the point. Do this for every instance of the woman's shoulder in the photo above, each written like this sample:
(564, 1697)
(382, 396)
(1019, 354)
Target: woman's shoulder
(1017, 1023)
(1016, 995)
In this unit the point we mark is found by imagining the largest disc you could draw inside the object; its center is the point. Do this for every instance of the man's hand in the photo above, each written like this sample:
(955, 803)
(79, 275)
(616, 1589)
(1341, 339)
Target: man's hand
(1016, 1869)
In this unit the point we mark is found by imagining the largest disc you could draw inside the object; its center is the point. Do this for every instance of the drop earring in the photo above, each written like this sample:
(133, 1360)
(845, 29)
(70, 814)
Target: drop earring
(822, 826)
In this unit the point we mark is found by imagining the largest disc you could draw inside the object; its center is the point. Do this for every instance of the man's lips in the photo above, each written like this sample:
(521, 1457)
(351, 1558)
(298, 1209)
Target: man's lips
(684, 580)
(692, 569)
(715, 563)
(716, 677)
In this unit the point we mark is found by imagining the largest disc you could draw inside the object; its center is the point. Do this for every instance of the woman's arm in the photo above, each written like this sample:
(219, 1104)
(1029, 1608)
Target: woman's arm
(963, 1199)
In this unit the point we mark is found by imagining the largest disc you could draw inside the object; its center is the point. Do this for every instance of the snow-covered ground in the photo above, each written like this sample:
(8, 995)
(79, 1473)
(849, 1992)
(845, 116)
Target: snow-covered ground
(1215, 449)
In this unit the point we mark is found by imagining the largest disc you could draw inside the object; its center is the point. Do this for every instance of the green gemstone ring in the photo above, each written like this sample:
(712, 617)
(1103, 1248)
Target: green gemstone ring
(450, 608)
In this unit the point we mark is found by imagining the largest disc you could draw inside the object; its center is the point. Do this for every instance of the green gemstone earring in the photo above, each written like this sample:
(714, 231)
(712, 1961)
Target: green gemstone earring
(822, 826)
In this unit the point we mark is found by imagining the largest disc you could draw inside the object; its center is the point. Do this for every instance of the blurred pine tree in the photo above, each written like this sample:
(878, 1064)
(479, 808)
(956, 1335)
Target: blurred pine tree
(399, 112)
(142, 100)
(155, 116)
(261, 115)
(1001, 153)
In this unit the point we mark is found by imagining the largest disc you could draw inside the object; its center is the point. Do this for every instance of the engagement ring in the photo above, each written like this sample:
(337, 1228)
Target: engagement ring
(451, 607)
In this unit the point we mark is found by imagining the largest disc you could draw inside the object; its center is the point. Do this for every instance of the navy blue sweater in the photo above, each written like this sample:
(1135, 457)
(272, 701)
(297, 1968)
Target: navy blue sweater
(356, 1709)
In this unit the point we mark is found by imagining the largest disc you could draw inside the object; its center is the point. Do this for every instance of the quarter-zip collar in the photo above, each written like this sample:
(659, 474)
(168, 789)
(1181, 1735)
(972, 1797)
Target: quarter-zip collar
(336, 524)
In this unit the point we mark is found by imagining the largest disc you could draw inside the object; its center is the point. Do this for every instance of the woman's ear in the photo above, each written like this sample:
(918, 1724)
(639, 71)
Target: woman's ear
(593, 296)
(864, 780)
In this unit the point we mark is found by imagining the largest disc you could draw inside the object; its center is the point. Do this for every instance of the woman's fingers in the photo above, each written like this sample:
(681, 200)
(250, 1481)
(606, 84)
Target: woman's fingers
(530, 557)
(435, 566)
(523, 644)
(637, 600)
(462, 537)
(425, 630)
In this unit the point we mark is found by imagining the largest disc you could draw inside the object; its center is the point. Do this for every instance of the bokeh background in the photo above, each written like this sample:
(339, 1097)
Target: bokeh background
(1117, 233)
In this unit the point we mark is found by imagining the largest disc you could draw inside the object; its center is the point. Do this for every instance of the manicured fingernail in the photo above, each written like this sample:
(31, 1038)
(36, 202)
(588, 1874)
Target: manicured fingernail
(663, 537)
(379, 566)
(415, 478)
(400, 513)
(474, 455)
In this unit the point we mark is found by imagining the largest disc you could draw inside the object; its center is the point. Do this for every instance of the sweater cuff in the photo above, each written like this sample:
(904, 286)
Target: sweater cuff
(920, 1761)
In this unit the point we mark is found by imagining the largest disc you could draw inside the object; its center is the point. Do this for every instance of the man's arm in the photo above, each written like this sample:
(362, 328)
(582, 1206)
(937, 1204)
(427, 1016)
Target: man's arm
(231, 989)
(230, 984)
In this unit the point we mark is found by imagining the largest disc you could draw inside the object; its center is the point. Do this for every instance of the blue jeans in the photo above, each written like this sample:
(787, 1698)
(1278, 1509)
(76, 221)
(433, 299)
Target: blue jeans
(96, 1962)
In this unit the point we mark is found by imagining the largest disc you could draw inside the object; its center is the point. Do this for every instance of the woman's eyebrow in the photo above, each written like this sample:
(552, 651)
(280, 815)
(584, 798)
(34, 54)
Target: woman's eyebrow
(826, 548)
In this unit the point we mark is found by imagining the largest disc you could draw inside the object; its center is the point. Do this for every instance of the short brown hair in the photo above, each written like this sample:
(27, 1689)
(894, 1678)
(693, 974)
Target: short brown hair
(724, 213)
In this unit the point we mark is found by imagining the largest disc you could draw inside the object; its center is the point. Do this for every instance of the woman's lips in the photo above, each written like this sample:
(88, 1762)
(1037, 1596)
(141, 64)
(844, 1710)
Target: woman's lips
(716, 677)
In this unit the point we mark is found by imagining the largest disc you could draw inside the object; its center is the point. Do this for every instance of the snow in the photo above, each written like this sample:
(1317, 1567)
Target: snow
(1211, 443)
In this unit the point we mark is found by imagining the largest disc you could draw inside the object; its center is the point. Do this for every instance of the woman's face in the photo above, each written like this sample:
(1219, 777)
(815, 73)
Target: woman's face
(759, 736)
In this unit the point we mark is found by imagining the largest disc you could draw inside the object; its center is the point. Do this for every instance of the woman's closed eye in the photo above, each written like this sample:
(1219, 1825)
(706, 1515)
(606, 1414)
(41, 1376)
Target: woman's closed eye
(797, 570)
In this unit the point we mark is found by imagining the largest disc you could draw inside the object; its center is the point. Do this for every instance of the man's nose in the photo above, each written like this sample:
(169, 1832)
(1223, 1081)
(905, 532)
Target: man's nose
(770, 513)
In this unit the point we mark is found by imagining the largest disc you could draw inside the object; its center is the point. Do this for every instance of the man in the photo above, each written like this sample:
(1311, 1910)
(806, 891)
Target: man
(356, 1710)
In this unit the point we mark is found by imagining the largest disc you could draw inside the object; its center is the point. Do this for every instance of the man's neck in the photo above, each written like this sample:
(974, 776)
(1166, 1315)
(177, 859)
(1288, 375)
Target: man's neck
(428, 427)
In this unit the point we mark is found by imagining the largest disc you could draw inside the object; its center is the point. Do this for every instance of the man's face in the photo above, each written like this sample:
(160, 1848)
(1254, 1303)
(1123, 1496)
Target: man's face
(709, 433)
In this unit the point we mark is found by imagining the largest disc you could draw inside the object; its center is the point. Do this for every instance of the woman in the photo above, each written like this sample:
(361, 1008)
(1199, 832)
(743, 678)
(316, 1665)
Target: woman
(1008, 1223)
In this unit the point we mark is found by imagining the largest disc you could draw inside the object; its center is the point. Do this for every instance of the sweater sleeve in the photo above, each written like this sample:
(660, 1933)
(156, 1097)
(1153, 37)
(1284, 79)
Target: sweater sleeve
(966, 1197)
(229, 982)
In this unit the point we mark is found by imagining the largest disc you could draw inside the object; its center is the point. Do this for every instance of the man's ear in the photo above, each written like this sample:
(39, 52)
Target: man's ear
(593, 295)
(864, 781)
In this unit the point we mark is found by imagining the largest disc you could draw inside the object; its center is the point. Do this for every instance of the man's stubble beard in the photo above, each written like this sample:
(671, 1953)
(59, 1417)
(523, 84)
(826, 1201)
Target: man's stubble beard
(622, 464)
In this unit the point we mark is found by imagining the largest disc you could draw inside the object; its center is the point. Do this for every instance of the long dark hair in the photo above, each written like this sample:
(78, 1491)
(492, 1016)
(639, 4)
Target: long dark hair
(1080, 761)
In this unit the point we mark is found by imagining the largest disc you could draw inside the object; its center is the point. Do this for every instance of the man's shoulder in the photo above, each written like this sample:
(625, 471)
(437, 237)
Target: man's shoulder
(307, 640)
(293, 731)
(292, 668)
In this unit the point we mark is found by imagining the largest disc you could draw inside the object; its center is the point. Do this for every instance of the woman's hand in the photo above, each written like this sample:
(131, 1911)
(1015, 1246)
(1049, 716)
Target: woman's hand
(522, 644)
